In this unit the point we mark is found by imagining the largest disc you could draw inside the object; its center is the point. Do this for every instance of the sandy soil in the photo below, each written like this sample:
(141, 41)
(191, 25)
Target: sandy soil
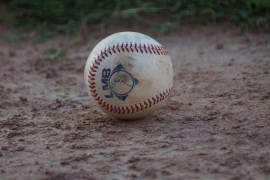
(215, 125)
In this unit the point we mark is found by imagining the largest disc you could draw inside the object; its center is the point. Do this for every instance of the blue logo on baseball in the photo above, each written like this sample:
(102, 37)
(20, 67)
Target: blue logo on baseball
(118, 82)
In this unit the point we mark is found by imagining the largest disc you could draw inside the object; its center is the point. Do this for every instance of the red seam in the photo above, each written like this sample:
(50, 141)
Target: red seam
(144, 47)
(146, 104)
(109, 50)
(123, 110)
(100, 102)
(113, 48)
(149, 49)
(101, 54)
(127, 109)
(99, 59)
(117, 47)
(140, 48)
(135, 46)
(93, 90)
(122, 47)
(130, 46)
(132, 109)
(91, 83)
(105, 53)
(127, 47)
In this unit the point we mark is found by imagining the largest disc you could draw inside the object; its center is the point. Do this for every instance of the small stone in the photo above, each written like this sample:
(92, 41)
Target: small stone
(63, 163)
(12, 54)
(151, 173)
(133, 160)
(4, 148)
(20, 148)
(219, 46)
(266, 169)
(166, 173)
(23, 99)
(223, 148)
(197, 170)
(133, 176)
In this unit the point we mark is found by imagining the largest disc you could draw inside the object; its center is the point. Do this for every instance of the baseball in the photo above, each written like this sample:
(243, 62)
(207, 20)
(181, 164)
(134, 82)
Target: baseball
(128, 75)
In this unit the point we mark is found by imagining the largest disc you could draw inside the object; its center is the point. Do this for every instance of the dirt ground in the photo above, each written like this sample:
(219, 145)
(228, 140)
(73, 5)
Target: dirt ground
(215, 125)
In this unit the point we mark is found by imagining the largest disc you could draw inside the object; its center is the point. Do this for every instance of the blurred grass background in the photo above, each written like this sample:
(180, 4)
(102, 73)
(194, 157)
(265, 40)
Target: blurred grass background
(61, 15)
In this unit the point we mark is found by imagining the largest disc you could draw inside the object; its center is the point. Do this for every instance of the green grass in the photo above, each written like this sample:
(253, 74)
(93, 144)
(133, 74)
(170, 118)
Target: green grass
(70, 15)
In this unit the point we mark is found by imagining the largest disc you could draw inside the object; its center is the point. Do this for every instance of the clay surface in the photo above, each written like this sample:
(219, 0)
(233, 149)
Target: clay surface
(215, 125)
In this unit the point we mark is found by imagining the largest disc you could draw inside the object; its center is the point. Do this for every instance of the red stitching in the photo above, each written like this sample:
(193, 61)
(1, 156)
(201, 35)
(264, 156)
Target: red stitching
(123, 110)
(150, 102)
(93, 69)
(141, 106)
(154, 100)
(122, 47)
(127, 109)
(113, 48)
(91, 83)
(115, 109)
(153, 48)
(157, 99)
(144, 47)
(99, 59)
(109, 50)
(96, 62)
(130, 47)
(146, 104)
(149, 49)
(133, 48)
(105, 53)
(111, 108)
(157, 50)
(127, 47)
(140, 48)
(100, 102)
(137, 107)
(132, 109)
(93, 90)
(103, 104)
(101, 54)
(117, 47)
(92, 74)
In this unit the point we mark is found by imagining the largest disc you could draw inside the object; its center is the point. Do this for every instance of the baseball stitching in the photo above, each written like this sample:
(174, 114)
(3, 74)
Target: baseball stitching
(126, 47)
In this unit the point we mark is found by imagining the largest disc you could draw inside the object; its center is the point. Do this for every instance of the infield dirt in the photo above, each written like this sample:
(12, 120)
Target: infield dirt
(215, 125)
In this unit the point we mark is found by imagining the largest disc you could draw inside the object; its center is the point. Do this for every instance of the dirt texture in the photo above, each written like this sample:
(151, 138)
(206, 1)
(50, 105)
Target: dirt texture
(215, 124)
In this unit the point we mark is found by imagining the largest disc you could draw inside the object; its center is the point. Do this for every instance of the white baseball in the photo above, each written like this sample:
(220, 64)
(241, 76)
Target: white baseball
(128, 75)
